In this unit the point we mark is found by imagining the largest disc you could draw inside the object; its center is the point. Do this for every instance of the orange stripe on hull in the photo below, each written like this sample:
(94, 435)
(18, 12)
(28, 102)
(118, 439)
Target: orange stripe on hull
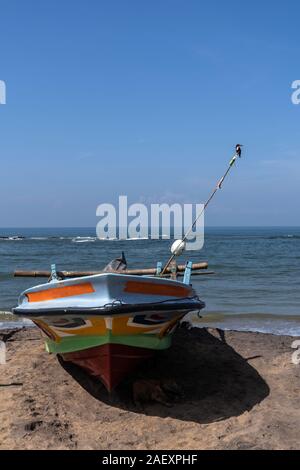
(60, 292)
(152, 288)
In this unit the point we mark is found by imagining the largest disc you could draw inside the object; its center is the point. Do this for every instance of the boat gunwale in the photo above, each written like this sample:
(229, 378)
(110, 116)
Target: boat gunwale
(91, 277)
(116, 309)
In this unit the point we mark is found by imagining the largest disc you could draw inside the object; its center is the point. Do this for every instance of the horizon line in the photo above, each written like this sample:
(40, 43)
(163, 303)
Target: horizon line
(94, 228)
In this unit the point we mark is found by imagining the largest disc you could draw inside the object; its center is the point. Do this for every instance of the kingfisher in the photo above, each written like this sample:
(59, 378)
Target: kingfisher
(238, 149)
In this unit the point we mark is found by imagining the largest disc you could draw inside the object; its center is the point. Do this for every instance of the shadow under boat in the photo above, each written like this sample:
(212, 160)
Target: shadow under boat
(217, 382)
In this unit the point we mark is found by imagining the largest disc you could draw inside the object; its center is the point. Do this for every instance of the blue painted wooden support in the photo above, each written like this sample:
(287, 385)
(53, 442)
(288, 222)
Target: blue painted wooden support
(187, 273)
(53, 276)
(158, 268)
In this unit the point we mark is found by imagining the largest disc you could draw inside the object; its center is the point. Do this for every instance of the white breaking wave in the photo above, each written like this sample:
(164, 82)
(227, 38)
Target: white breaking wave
(272, 325)
(9, 321)
(9, 325)
(138, 238)
(11, 238)
(83, 239)
(108, 239)
(123, 239)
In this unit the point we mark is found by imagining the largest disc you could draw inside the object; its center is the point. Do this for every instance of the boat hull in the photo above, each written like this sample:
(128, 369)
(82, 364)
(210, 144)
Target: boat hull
(109, 348)
(110, 363)
(108, 323)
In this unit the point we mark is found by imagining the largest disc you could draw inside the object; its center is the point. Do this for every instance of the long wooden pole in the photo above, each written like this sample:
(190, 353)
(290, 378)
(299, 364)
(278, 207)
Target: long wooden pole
(138, 272)
(238, 152)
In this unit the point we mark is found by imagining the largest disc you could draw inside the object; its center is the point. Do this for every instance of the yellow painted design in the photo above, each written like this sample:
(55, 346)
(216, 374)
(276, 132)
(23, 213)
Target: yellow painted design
(166, 329)
(97, 326)
(48, 330)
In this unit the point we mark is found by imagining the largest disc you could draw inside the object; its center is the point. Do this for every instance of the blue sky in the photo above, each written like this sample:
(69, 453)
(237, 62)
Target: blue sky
(148, 99)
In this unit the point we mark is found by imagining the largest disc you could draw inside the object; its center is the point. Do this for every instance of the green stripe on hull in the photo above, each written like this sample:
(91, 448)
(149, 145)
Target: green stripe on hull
(78, 343)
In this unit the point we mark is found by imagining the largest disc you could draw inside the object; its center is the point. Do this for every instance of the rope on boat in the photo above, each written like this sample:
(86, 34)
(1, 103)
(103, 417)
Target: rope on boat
(238, 153)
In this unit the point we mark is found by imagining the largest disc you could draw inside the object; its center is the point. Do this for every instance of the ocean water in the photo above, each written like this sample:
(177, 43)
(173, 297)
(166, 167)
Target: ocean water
(256, 285)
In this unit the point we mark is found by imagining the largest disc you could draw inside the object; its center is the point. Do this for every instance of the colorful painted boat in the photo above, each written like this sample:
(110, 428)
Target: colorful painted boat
(108, 323)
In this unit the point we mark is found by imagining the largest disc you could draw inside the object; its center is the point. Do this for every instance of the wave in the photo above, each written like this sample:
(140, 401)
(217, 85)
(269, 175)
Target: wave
(9, 325)
(137, 238)
(288, 325)
(284, 237)
(79, 239)
(13, 238)
(112, 239)
(18, 238)
(249, 237)
(83, 239)
(6, 314)
(108, 239)
(212, 316)
(257, 322)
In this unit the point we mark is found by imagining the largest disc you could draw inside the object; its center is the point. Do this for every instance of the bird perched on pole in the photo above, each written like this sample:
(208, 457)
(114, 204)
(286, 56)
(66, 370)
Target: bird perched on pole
(238, 149)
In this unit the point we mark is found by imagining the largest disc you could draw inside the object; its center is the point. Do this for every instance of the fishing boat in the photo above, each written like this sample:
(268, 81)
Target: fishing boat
(108, 323)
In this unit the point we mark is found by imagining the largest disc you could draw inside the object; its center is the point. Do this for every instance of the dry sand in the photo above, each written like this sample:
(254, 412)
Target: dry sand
(241, 392)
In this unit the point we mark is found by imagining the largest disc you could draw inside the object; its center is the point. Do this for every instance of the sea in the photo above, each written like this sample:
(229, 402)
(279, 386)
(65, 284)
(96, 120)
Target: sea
(255, 285)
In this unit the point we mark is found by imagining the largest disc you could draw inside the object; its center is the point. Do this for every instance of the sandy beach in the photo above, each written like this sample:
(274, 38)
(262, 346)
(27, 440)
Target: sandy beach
(241, 391)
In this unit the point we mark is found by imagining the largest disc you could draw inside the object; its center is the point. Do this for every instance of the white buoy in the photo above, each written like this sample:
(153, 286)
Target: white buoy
(2, 353)
(178, 247)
